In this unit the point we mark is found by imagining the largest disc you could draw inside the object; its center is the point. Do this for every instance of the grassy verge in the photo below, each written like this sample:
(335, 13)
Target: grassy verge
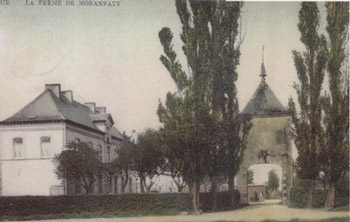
(335, 219)
(97, 214)
(343, 208)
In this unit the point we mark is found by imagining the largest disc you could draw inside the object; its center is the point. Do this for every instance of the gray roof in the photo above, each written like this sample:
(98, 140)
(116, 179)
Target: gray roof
(47, 107)
(264, 102)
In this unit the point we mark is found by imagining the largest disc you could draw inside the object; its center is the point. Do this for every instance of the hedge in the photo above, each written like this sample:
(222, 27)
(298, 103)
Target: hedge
(299, 197)
(223, 200)
(106, 205)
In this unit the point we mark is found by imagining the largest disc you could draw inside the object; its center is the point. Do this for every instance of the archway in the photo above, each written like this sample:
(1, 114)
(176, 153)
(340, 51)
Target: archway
(264, 184)
(268, 143)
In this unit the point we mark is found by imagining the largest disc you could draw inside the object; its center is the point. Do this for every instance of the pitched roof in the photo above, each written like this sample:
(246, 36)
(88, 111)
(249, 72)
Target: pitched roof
(264, 102)
(48, 107)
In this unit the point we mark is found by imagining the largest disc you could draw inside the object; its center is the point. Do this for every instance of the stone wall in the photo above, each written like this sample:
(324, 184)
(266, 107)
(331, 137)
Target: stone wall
(268, 142)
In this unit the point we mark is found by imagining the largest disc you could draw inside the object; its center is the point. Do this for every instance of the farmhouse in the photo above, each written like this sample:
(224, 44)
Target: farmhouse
(34, 135)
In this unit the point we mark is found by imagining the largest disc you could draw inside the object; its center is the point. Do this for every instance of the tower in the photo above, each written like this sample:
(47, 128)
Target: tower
(268, 139)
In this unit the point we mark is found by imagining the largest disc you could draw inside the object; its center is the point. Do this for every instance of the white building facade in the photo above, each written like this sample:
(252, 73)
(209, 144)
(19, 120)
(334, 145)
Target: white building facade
(30, 139)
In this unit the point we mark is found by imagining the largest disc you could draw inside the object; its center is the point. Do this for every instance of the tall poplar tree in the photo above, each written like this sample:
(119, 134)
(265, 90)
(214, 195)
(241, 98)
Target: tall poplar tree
(197, 118)
(335, 153)
(310, 66)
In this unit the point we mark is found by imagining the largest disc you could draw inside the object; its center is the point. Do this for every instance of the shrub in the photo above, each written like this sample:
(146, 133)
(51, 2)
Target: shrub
(118, 205)
(299, 197)
(105, 205)
(223, 200)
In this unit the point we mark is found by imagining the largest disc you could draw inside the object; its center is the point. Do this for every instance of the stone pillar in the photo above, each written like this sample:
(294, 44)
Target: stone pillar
(242, 185)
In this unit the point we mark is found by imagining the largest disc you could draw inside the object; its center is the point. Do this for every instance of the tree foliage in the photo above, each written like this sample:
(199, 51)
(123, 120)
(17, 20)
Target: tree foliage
(273, 182)
(335, 153)
(79, 163)
(310, 66)
(123, 163)
(204, 133)
(250, 177)
(148, 158)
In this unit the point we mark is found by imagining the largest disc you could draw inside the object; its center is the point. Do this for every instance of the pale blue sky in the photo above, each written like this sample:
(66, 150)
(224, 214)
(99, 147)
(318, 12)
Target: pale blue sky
(111, 55)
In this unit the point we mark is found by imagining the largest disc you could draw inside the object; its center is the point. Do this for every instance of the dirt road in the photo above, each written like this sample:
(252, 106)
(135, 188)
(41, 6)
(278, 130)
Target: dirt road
(257, 212)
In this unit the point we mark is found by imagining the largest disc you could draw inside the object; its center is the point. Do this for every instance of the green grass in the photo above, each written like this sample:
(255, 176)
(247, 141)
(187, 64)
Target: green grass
(342, 208)
(96, 214)
(335, 219)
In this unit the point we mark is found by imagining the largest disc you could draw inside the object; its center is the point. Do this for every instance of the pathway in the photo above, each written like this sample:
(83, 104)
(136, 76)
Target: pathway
(250, 213)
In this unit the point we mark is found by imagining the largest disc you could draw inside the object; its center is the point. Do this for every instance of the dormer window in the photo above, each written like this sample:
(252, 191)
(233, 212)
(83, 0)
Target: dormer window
(18, 148)
(45, 146)
(108, 134)
(108, 153)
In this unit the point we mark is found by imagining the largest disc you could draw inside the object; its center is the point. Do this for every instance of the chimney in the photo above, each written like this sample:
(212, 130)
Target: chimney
(101, 110)
(55, 88)
(91, 105)
(68, 94)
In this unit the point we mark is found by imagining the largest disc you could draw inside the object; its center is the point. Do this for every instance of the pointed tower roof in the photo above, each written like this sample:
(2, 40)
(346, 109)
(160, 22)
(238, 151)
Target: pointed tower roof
(264, 101)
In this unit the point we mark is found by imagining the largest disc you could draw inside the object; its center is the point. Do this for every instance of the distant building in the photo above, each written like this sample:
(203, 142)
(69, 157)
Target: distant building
(34, 135)
(257, 191)
(164, 183)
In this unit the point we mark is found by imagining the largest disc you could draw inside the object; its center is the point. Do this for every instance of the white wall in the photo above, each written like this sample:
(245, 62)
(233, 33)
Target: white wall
(32, 174)
(86, 136)
(164, 184)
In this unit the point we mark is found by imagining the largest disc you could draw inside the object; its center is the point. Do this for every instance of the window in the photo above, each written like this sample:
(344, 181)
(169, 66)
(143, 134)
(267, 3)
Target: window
(115, 155)
(99, 150)
(45, 146)
(18, 150)
(108, 134)
(108, 157)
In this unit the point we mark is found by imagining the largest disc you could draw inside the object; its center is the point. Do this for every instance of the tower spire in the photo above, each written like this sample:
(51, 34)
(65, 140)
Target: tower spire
(263, 71)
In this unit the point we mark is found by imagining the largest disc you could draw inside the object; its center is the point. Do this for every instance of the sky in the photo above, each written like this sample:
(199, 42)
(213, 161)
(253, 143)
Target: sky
(110, 55)
(261, 173)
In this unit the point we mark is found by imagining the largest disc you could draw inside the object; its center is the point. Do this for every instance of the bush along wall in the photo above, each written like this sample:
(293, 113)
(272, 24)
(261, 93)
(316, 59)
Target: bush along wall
(299, 197)
(122, 205)
(100, 205)
(223, 200)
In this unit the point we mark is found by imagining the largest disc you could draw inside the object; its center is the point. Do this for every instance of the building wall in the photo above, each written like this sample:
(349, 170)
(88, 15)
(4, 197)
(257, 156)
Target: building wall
(102, 184)
(272, 134)
(164, 183)
(31, 174)
(259, 189)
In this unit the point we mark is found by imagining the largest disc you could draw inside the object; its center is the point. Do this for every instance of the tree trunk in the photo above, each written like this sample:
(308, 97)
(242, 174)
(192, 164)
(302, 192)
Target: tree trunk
(330, 197)
(194, 198)
(142, 185)
(231, 188)
(197, 194)
(309, 202)
(214, 192)
(123, 185)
